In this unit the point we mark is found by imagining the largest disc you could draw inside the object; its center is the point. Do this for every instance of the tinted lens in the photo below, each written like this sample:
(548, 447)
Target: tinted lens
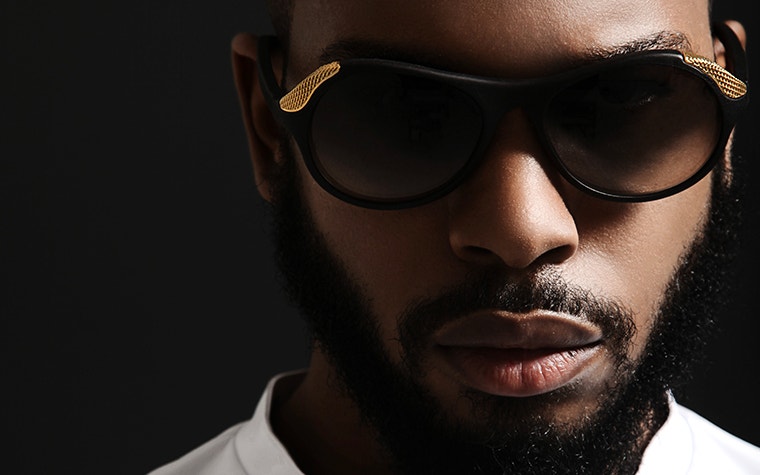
(388, 137)
(635, 129)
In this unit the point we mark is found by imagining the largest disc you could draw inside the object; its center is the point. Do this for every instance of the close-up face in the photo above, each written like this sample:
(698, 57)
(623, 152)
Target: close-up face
(516, 298)
(515, 213)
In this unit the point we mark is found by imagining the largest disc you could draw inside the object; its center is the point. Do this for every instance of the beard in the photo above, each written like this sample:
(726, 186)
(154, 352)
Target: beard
(504, 435)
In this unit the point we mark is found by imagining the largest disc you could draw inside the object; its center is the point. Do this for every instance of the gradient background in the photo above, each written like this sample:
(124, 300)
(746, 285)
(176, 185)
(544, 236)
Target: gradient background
(141, 312)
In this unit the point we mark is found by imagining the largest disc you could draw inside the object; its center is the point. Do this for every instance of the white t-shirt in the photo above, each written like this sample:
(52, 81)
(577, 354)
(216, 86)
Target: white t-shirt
(687, 444)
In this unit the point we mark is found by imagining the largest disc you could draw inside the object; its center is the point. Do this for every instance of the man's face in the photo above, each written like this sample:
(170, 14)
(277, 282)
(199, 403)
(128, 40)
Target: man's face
(514, 214)
(516, 300)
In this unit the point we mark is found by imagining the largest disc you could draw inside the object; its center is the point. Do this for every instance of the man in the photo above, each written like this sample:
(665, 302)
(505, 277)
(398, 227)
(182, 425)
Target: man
(506, 224)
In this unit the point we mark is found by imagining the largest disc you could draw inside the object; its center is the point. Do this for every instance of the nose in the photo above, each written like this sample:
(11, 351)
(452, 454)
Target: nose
(511, 210)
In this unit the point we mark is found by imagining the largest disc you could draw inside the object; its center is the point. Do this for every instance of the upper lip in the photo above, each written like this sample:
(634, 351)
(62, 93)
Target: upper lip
(537, 329)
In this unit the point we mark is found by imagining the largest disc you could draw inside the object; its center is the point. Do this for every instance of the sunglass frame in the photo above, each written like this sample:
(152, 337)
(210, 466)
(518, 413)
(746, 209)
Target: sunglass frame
(295, 109)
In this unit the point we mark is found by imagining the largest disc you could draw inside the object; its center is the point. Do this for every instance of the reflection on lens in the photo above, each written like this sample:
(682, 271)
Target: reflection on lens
(635, 130)
(382, 136)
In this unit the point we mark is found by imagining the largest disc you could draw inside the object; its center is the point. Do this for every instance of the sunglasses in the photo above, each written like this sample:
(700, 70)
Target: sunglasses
(388, 135)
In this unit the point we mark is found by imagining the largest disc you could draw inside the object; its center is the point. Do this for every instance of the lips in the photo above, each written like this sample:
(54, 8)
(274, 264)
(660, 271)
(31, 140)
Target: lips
(518, 355)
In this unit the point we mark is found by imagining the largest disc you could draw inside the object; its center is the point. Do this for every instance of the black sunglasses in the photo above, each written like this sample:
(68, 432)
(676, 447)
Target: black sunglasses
(387, 135)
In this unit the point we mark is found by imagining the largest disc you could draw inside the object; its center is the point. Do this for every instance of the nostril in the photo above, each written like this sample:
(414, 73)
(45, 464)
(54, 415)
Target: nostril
(508, 245)
(477, 255)
(557, 255)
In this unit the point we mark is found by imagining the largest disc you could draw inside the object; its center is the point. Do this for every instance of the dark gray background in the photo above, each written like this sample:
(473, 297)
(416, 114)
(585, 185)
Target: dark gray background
(141, 312)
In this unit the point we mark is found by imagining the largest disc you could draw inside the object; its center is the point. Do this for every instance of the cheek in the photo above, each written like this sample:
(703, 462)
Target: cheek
(632, 257)
(627, 252)
(396, 257)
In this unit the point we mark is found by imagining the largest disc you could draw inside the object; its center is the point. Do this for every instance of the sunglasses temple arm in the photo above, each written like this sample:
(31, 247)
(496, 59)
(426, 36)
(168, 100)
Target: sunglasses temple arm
(735, 54)
(268, 81)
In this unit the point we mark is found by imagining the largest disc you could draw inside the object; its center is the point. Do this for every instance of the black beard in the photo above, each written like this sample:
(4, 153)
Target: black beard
(513, 437)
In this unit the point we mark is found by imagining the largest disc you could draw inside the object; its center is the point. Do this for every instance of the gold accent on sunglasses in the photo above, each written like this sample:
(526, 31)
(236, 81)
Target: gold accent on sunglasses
(727, 83)
(296, 99)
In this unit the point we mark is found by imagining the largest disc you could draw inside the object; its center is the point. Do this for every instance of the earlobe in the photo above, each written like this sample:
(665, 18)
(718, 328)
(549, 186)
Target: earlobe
(261, 128)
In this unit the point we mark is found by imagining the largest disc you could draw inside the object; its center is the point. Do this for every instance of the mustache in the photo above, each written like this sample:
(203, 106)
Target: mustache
(544, 290)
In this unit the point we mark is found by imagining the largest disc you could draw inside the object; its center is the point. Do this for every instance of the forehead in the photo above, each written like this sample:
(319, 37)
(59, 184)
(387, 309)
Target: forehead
(509, 38)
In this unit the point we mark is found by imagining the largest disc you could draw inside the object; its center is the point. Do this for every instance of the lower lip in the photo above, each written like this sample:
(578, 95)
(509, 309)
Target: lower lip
(519, 372)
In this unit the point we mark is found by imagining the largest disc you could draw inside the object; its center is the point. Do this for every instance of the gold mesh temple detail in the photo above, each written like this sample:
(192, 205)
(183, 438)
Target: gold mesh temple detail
(727, 82)
(299, 96)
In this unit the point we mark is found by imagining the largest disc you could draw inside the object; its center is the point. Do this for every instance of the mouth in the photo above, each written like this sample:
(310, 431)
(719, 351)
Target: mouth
(518, 355)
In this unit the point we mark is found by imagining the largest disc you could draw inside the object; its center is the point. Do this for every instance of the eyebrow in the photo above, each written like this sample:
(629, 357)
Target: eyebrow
(661, 40)
(361, 48)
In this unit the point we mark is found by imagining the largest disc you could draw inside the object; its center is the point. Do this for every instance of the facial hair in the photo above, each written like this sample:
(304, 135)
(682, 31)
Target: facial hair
(509, 435)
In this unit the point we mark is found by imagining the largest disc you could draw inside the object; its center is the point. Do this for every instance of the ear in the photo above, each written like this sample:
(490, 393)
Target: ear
(260, 126)
(720, 58)
(720, 49)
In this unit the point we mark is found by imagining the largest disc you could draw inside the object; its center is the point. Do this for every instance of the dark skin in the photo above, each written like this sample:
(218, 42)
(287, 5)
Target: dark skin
(515, 212)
